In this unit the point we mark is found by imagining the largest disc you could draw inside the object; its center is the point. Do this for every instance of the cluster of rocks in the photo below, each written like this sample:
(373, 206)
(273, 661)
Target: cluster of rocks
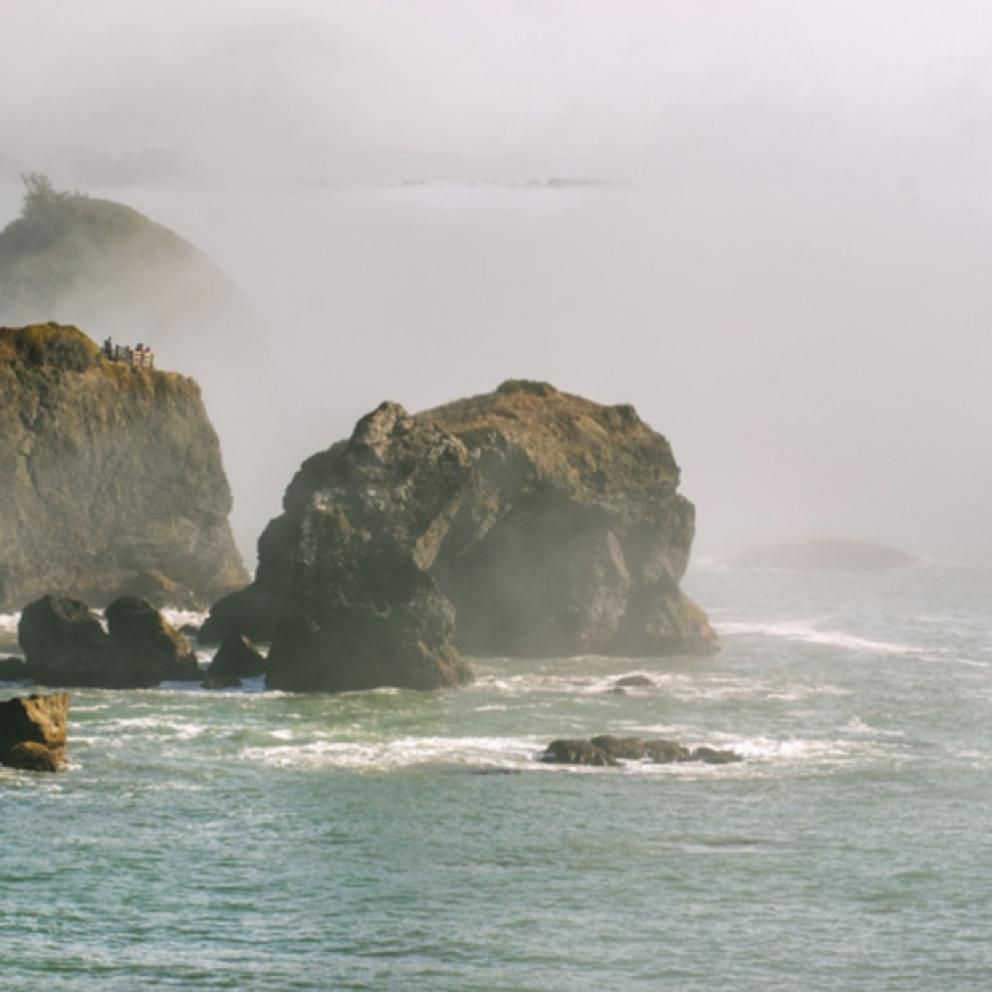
(609, 751)
(33, 732)
(65, 644)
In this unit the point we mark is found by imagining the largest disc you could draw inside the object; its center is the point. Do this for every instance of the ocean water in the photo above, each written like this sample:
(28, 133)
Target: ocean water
(390, 840)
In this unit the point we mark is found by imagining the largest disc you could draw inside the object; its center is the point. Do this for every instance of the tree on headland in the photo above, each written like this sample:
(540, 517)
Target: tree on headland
(40, 196)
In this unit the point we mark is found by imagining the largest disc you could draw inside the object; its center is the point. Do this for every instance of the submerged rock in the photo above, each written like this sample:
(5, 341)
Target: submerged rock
(577, 752)
(525, 522)
(712, 756)
(609, 750)
(236, 659)
(33, 732)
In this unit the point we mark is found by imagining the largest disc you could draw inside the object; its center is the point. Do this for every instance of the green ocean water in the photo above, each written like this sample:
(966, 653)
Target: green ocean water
(390, 840)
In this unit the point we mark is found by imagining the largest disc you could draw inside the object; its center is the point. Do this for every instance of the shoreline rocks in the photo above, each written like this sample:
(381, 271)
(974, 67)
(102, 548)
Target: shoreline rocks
(33, 732)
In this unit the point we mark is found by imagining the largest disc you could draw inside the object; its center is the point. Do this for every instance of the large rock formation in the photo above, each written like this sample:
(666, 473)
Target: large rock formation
(572, 538)
(111, 479)
(33, 732)
(110, 269)
(525, 522)
(362, 609)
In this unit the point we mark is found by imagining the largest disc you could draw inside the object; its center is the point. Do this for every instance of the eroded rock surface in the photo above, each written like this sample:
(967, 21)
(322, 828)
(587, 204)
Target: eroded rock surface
(33, 732)
(111, 479)
(526, 522)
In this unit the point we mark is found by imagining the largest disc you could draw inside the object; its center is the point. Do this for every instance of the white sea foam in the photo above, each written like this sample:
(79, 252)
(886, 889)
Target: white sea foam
(399, 753)
(179, 618)
(807, 632)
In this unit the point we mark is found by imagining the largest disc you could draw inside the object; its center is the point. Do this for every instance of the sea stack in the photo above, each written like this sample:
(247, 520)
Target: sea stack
(524, 522)
(110, 476)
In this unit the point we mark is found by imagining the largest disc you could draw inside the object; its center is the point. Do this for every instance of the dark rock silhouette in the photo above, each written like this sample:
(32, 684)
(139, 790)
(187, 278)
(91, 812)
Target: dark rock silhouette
(236, 659)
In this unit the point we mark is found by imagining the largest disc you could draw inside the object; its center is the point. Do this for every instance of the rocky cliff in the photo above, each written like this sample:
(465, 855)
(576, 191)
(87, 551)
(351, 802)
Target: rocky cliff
(111, 479)
(524, 522)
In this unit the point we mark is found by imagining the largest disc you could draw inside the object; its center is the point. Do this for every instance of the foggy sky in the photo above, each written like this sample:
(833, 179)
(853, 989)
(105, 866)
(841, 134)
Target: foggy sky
(786, 269)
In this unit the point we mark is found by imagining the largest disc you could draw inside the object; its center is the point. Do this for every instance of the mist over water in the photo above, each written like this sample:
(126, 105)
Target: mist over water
(779, 259)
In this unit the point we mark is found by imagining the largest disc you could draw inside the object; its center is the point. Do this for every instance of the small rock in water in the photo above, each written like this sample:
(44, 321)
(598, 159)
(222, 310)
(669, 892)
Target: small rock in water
(711, 756)
(576, 752)
(236, 659)
(665, 752)
(33, 732)
(609, 750)
(634, 682)
(628, 748)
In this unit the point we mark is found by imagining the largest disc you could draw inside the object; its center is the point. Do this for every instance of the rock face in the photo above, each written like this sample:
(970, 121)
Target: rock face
(525, 522)
(33, 732)
(13, 670)
(362, 609)
(65, 644)
(149, 642)
(573, 537)
(110, 478)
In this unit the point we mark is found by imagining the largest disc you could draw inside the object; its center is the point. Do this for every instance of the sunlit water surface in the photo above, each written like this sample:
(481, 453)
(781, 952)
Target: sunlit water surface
(390, 840)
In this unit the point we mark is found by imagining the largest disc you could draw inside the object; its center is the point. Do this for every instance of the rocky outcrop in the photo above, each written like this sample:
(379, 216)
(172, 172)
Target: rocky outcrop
(149, 642)
(33, 732)
(607, 750)
(526, 522)
(64, 643)
(362, 608)
(110, 478)
(236, 659)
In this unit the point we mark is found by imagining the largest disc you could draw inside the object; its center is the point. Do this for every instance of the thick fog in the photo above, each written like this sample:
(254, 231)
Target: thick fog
(773, 241)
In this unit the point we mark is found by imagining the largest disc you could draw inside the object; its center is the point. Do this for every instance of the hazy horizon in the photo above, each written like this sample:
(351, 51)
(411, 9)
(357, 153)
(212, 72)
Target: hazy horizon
(777, 252)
